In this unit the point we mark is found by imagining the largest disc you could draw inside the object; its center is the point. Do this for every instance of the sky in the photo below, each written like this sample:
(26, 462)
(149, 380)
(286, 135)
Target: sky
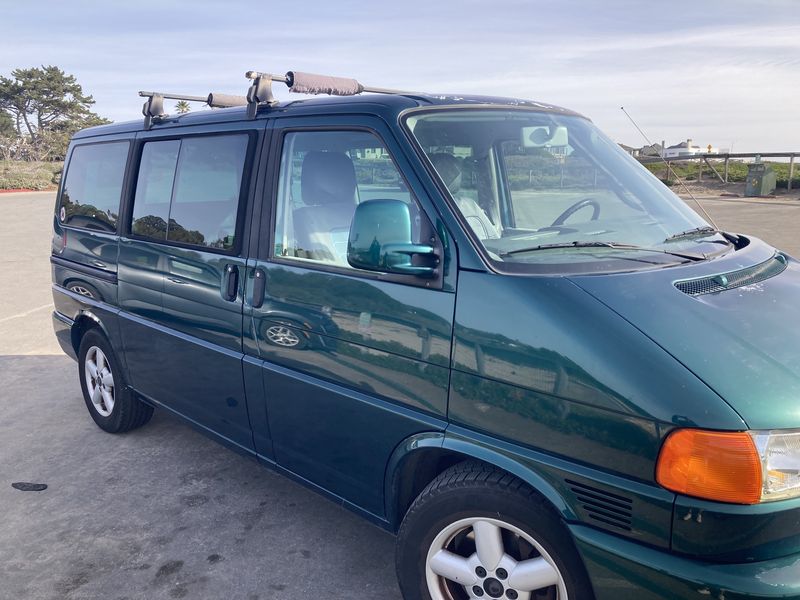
(722, 72)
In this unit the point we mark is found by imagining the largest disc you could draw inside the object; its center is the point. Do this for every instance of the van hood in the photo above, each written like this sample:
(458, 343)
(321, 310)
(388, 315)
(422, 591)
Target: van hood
(742, 341)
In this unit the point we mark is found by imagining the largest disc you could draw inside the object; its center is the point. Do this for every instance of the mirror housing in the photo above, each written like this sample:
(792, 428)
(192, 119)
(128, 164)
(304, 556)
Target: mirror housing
(541, 136)
(381, 240)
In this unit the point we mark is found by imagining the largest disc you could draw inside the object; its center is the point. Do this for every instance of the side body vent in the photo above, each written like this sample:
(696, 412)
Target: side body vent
(734, 279)
(606, 509)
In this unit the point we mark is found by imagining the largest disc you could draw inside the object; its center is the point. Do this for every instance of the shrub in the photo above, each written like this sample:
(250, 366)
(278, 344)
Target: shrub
(15, 175)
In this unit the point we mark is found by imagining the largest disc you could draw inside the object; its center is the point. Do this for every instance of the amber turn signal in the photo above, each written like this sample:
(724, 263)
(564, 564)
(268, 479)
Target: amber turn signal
(714, 465)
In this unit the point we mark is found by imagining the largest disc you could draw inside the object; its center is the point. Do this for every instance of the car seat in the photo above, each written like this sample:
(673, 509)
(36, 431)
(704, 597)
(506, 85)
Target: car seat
(328, 192)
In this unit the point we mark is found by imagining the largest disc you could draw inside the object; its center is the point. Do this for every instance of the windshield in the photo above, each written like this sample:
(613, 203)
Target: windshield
(539, 188)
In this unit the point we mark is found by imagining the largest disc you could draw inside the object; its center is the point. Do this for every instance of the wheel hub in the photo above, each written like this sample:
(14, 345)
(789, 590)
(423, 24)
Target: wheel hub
(493, 587)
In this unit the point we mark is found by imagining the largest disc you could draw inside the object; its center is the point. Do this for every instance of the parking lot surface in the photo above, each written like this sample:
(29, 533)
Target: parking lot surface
(163, 512)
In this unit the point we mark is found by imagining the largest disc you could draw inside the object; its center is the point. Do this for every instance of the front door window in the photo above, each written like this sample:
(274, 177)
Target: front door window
(324, 176)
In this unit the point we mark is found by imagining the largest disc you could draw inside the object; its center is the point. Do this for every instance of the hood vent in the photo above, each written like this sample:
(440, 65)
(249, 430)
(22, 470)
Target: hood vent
(728, 281)
(606, 509)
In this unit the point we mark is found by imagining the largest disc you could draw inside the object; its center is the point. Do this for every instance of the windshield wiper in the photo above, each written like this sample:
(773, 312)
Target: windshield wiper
(598, 244)
(704, 229)
(730, 238)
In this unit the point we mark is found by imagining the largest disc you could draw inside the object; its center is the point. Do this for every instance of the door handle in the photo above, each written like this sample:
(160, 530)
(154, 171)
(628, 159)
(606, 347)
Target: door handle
(176, 280)
(230, 283)
(259, 287)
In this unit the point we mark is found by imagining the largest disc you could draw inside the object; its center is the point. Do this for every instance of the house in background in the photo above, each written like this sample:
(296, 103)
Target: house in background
(630, 150)
(652, 150)
(688, 149)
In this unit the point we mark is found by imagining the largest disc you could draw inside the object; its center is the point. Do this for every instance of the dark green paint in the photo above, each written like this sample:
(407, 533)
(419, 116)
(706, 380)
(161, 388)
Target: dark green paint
(368, 359)
(555, 479)
(568, 383)
(743, 343)
(551, 337)
(183, 342)
(399, 319)
(623, 570)
(734, 533)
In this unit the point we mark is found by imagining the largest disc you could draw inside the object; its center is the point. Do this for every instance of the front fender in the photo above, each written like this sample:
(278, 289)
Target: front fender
(412, 454)
(579, 494)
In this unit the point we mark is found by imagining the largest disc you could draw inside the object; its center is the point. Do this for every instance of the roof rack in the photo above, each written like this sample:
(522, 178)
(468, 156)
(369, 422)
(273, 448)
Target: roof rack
(260, 92)
(304, 83)
(153, 108)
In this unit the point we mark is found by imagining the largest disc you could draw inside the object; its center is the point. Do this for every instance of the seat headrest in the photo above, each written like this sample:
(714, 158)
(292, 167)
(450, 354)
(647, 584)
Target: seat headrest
(327, 178)
(449, 170)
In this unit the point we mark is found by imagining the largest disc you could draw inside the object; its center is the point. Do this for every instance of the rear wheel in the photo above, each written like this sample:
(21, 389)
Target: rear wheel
(477, 532)
(110, 401)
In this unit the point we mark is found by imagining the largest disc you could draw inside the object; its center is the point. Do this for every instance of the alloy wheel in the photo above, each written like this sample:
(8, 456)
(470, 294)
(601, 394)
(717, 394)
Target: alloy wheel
(488, 558)
(99, 381)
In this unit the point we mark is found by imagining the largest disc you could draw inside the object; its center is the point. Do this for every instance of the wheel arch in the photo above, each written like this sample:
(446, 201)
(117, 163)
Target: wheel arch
(85, 321)
(419, 459)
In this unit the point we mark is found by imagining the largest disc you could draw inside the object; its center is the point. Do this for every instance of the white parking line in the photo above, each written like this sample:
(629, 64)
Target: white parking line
(26, 313)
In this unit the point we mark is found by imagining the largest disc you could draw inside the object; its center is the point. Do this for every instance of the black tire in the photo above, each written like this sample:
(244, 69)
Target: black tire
(128, 412)
(474, 489)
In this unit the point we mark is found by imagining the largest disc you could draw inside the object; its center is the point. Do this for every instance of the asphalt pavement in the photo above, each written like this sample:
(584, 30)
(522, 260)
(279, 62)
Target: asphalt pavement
(164, 512)
(160, 512)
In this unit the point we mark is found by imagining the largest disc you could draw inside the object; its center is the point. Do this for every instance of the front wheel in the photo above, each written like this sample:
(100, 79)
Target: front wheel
(477, 532)
(110, 401)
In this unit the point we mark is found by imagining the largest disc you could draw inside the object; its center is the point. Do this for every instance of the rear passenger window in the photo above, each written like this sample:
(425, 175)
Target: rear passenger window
(207, 188)
(154, 189)
(93, 186)
(188, 190)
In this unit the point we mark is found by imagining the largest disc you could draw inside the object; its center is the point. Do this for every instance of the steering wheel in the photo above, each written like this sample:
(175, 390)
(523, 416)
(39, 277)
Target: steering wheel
(575, 208)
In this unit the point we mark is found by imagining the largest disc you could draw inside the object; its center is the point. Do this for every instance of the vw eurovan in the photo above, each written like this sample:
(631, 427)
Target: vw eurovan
(475, 321)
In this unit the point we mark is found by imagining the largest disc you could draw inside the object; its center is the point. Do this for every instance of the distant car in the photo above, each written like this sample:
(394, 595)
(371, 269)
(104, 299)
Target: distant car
(476, 322)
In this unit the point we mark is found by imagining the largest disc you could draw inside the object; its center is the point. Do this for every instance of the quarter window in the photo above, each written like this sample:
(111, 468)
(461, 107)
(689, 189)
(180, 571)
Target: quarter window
(93, 186)
(188, 190)
(324, 176)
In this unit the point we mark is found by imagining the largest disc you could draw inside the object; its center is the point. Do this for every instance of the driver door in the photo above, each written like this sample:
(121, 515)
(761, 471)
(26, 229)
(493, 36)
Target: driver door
(352, 362)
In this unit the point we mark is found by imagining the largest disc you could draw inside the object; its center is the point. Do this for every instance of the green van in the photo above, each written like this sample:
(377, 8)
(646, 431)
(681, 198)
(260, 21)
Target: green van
(474, 321)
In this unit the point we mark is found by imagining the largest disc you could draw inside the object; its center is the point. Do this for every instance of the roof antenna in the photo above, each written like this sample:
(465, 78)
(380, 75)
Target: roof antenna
(670, 169)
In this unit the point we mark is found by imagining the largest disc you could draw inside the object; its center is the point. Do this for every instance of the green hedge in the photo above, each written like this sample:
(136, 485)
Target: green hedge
(737, 172)
(16, 175)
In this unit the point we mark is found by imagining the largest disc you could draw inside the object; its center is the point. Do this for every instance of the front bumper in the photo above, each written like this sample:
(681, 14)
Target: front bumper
(624, 570)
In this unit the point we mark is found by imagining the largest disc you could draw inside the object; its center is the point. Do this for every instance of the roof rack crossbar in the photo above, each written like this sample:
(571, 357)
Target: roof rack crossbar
(304, 83)
(260, 91)
(153, 108)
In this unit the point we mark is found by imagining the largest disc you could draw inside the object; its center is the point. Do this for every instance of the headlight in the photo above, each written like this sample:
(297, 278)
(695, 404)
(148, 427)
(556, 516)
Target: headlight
(780, 463)
(731, 466)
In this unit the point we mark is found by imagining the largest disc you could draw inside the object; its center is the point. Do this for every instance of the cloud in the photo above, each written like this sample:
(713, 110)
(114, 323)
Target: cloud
(714, 71)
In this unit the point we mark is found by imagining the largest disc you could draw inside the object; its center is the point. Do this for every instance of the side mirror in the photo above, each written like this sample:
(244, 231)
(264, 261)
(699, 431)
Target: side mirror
(380, 240)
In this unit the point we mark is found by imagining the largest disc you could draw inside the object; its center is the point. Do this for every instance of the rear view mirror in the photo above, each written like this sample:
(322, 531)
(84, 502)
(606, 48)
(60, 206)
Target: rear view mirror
(538, 137)
(380, 239)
